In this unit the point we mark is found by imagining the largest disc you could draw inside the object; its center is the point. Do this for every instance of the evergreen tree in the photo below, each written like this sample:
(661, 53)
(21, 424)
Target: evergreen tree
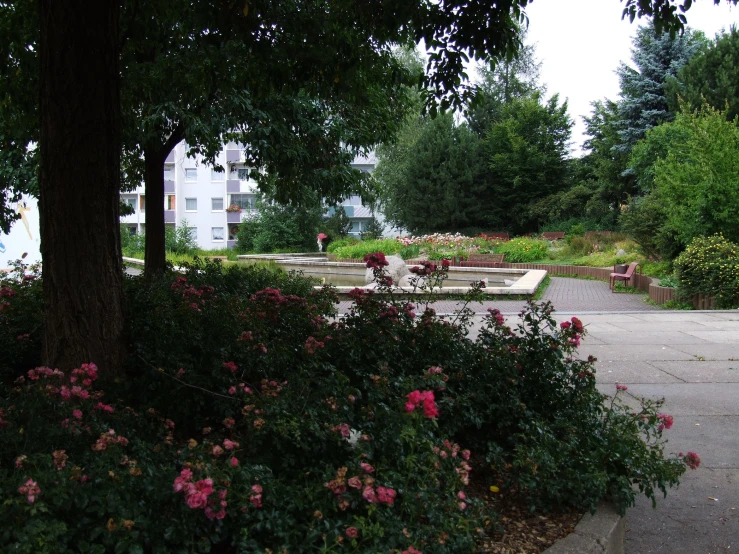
(711, 76)
(643, 104)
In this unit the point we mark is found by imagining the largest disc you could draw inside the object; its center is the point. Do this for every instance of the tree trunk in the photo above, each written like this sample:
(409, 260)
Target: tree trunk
(79, 184)
(155, 255)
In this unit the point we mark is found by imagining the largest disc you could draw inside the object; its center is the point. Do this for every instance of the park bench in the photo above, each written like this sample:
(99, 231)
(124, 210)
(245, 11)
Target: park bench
(483, 260)
(497, 235)
(625, 277)
(559, 235)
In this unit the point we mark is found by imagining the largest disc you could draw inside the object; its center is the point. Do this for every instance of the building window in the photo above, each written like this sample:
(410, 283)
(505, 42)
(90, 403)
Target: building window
(356, 227)
(191, 204)
(233, 231)
(169, 202)
(353, 201)
(132, 230)
(194, 233)
(131, 201)
(169, 173)
(216, 175)
(243, 201)
(142, 203)
(191, 174)
(217, 234)
(216, 204)
(243, 173)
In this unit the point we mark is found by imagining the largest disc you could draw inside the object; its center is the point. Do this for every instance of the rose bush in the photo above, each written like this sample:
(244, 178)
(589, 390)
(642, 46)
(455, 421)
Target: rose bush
(251, 419)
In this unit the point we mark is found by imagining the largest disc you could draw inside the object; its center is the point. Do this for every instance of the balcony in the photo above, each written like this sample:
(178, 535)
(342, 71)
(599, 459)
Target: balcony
(170, 158)
(234, 217)
(233, 156)
(233, 186)
(168, 187)
(169, 216)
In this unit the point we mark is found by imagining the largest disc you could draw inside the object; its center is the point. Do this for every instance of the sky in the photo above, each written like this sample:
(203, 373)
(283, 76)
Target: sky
(581, 42)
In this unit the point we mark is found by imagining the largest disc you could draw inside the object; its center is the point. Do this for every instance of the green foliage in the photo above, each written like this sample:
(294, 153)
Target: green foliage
(710, 266)
(696, 180)
(336, 244)
(179, 240)
(21, 319)
(373, 229)
(277, 227)
(689, 166)
(337, 225)
(645, 221)
(432, 178)
(711, 76)
(525, 151)
(361, 249)
(523, 250)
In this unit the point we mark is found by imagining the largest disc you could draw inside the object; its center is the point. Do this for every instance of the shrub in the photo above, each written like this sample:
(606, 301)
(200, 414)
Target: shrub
(523, 249)
(337, 225)
(248, 420)
(21, 321)
(710, 266)
(179, 240)
(361, 249)
(373, 229)
(336, 244)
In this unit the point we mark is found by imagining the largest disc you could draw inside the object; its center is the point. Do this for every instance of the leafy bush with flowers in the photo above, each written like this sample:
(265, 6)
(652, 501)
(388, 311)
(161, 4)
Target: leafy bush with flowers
(710, 266)
(249, 419)
(523, 249)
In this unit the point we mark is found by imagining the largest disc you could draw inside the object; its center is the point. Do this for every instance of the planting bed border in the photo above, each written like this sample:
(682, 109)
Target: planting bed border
(602, 533)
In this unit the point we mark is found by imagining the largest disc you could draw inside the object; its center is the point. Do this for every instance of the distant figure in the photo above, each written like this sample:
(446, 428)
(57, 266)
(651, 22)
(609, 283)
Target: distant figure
(320, 238)
(22, 209)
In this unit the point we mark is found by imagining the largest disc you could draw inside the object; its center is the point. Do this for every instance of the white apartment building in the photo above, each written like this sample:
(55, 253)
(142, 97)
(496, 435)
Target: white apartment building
(214, 203)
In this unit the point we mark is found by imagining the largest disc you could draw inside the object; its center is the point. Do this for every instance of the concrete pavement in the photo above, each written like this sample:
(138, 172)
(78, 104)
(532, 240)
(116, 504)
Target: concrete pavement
(691, 359)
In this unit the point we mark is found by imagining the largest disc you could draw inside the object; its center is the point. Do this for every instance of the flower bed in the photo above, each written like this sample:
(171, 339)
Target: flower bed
(248, 420)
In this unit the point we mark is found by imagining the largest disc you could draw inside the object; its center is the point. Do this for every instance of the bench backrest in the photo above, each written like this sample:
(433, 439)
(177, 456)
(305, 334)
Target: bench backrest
(487, 258)
(553, 235)
(631, 269)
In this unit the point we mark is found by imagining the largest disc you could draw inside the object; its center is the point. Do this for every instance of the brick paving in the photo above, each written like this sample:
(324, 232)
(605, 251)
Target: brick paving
(567, 295)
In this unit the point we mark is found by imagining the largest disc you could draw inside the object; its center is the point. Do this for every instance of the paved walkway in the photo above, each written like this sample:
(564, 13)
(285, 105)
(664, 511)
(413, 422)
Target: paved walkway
(567, 295)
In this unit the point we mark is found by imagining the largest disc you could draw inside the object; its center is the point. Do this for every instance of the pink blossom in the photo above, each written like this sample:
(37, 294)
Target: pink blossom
(19, 461)
(257, 489)
(355, 483)
(411, 550)
(461, 495)
(229, 444)
(77, 414)
(234, 461)
(369, 495)
(565, 325)
(692, 460)
(386, 495)
(665, 421)
(30, 489)
(621, 387)
(217, 450)
(462, 506)
(409, 407)
(231, 366)
(366, 467)
(232, 390)
(352, 532)
(466, 454)
(229, 422)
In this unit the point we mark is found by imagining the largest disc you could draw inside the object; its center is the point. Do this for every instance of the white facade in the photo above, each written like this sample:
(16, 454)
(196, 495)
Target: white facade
(209, 201)
(24, 236)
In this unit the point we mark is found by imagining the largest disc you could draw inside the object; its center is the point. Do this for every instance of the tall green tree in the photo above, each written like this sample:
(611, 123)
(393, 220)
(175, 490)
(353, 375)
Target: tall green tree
(527, 157)
(656, 56)
(432, 177)
(711, 76)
